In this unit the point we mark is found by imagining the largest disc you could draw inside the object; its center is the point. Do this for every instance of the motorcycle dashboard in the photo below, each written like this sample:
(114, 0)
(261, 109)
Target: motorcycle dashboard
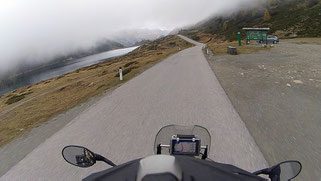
(165, 137)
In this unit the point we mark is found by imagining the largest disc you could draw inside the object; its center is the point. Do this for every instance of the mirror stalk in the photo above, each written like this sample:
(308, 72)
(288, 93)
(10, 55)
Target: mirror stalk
(101, 158)
(265, 171)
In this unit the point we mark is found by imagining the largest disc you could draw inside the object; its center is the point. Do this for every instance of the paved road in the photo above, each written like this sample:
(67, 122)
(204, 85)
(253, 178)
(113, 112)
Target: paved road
(181, 89)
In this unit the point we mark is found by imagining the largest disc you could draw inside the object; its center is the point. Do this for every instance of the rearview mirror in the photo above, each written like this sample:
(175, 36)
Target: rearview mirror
(289, 170)
(79, 156)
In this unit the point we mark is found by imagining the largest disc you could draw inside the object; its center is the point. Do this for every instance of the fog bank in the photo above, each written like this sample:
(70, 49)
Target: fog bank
(36, 30)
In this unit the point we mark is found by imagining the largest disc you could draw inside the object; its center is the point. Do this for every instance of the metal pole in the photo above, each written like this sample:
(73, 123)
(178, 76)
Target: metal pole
(239, 38)
(120, 73)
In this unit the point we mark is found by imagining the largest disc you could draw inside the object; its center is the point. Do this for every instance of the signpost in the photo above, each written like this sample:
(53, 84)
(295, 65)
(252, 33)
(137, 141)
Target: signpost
(239, 38)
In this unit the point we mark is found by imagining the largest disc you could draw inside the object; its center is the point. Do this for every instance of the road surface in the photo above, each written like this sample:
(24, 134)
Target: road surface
(122, 125)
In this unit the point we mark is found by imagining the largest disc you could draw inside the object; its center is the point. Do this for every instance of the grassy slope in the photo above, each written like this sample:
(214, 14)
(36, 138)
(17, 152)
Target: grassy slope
(59, 94)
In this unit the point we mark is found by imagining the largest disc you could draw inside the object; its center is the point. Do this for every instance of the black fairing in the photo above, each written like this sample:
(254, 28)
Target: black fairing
(160, 177)
(126, 171)
(193, 170)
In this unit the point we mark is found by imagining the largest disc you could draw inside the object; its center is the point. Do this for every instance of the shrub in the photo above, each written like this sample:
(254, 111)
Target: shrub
(172, 44)
(152, 47)
(63, 88)
(103, 73)
(15, 99)
(267, 15)
(311, 3)
(101, 86)
(94, 67)
(195, 37)
(130, 63)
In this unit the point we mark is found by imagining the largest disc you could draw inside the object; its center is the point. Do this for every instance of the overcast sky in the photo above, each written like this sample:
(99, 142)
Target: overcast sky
(42, 28)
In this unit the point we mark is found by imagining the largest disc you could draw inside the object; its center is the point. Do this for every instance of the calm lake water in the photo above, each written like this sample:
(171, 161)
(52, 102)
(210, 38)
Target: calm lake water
(59, 69)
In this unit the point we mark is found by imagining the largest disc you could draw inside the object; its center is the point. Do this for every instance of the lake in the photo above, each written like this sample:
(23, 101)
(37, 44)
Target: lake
(59, 69)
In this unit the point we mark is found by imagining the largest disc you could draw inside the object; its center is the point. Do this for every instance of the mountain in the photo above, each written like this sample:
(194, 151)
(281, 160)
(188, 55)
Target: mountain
(102, 45)
(106, 45)
(286, 18)
(24, 67)
(133, 36)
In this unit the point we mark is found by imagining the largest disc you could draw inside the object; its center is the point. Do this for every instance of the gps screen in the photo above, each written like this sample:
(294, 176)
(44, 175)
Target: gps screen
(185, 147)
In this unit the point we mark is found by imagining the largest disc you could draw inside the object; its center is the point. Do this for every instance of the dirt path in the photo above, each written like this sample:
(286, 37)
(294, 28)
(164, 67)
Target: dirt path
(278, 95)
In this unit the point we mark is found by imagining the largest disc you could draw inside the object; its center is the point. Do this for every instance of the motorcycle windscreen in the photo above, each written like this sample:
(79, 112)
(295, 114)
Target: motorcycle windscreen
(165, 134)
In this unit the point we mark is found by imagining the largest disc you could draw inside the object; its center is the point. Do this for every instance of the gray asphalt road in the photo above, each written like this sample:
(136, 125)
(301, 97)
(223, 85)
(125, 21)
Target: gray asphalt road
(122, 126)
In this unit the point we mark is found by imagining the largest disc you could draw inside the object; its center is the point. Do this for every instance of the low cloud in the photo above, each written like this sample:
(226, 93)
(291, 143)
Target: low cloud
(35, 30)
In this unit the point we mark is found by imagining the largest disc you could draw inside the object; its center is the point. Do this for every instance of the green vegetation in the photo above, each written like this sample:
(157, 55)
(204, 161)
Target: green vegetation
(286, 18)
(101, 86)
(152, 47)
(130, 63)
(172, 44)
(195, 37)
(16, 98)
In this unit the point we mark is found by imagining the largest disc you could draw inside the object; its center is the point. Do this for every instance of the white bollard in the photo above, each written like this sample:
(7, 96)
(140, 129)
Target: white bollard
(120, 73)
(207, 52)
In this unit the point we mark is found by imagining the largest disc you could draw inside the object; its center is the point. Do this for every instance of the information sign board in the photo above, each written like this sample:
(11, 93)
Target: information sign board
(256, 35)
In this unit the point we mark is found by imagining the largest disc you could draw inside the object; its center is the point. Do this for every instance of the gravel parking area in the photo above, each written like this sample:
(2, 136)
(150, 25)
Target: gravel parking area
(278, 95)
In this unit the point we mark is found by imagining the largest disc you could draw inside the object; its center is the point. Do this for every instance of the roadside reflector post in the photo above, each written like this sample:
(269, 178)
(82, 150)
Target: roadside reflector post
(120, 73)
(207, 52)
